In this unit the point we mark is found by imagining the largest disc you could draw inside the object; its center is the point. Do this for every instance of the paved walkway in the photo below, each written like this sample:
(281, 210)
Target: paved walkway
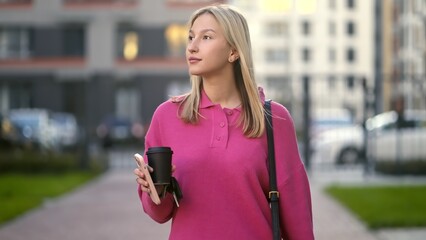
(333, 221)
(108, 208)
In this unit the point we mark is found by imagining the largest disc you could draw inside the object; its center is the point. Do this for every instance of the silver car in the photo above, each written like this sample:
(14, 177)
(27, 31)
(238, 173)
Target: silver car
(386, 141)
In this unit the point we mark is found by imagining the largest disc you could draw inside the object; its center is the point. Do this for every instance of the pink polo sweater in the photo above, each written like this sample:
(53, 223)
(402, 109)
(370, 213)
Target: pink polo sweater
(224, 176)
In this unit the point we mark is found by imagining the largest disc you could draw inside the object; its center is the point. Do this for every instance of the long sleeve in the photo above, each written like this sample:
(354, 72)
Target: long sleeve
(163, 212)
(292, 180)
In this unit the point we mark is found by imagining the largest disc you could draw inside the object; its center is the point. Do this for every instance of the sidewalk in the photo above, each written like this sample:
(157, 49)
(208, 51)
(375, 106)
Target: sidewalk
(108, 208)
(334, 221)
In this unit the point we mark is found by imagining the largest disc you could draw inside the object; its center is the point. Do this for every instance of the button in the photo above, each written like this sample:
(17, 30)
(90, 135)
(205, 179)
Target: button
(218, 138)
(229, 112)
(222, 124)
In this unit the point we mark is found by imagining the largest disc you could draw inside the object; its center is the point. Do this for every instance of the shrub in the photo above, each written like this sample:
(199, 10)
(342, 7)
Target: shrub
(30, 161)
(417, 167)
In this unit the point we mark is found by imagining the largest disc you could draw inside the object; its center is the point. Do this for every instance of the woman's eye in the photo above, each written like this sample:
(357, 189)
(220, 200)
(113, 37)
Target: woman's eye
(207, 37)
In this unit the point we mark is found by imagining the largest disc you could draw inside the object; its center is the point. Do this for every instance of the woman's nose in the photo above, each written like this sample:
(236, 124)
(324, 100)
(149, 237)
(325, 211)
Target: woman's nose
(192, 46)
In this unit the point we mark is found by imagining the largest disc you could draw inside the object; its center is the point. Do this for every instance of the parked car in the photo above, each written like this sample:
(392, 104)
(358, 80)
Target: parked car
(118, 130)
(67, 129)
(388, 142)
(385, 140)
(341, 146)
(36, 127)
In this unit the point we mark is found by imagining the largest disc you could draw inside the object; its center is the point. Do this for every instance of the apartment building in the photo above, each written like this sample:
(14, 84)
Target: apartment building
(93, 58)
(407, 66)
(328, 43)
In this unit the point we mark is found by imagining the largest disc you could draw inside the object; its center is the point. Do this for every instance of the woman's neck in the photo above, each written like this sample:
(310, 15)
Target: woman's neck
(223, 92)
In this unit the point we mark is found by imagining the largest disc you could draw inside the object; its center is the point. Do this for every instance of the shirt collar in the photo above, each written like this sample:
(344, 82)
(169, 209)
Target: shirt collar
(205, 101)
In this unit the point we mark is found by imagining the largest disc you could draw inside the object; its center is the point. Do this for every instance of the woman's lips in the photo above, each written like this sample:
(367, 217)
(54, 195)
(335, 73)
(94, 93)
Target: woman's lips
(193, 60)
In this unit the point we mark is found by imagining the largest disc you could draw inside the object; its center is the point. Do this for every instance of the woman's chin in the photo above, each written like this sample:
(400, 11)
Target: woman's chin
(195, 73)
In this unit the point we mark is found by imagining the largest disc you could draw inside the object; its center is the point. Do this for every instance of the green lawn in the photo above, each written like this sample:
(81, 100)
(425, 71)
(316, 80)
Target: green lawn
(384, 206)
(21, 192)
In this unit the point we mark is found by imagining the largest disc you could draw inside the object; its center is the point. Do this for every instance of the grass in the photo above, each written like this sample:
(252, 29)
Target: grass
(384, 206)
(22, 192)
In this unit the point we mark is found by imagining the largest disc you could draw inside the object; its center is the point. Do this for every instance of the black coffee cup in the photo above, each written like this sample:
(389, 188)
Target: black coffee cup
(160, 159)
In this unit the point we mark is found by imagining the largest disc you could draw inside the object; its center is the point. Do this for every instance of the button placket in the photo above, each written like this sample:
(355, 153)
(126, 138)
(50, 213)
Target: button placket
(220, 129)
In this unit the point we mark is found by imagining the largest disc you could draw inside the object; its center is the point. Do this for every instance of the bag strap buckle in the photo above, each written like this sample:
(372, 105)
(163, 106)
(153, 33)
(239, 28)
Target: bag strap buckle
(277, 194)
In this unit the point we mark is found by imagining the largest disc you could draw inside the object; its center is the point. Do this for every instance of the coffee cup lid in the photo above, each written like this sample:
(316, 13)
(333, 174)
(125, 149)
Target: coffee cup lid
(159, 149)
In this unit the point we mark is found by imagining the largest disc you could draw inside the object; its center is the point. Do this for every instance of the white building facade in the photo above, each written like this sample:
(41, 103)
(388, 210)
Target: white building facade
(328, 43)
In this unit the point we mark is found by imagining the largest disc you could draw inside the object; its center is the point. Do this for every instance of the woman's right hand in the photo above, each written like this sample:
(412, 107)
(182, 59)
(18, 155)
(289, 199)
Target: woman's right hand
(141, 180)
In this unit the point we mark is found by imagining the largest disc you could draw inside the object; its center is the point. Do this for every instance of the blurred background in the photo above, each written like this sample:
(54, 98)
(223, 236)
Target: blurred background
(85, 76)
(93, 71)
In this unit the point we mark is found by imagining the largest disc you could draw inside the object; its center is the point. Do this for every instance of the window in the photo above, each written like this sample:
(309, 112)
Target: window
(128, 102)
(332, 55)
(277, 55)
(331, 81)
(74, 41)
(176, 36)
(351, 4)
(279, 88)
(130, 45)
(306, 28)
(278, 82)
(15, 42)
(350, 81)
(306, 54)
(128, 42)
(332, 4)
(20, 96)
(277, 29)
(332, 28)
(350, 55)
(350, 28)
(141, 42)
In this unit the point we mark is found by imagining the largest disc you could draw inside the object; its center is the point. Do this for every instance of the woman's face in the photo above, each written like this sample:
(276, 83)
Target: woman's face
(207, 50)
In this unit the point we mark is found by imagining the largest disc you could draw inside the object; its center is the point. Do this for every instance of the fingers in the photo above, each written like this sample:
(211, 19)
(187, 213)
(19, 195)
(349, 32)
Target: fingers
(140, 179)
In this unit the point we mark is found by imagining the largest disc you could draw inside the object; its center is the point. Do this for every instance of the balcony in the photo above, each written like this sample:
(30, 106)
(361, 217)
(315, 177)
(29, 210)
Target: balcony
(43, 63)
(148, 64)
(15, 4)
(25, 47)
(84, 4)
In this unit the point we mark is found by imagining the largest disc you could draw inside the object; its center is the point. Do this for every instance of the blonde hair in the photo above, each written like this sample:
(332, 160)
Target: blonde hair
(237, 34)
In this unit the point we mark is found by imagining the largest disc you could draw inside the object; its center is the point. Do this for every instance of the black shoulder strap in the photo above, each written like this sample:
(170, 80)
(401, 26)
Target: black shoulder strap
(274, 195)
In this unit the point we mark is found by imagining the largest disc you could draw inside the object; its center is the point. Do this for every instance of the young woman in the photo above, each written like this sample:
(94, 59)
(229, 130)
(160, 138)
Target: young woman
(217, 134)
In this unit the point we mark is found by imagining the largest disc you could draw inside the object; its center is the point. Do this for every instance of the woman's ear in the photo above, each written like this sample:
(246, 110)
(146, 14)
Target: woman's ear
(233, 56)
